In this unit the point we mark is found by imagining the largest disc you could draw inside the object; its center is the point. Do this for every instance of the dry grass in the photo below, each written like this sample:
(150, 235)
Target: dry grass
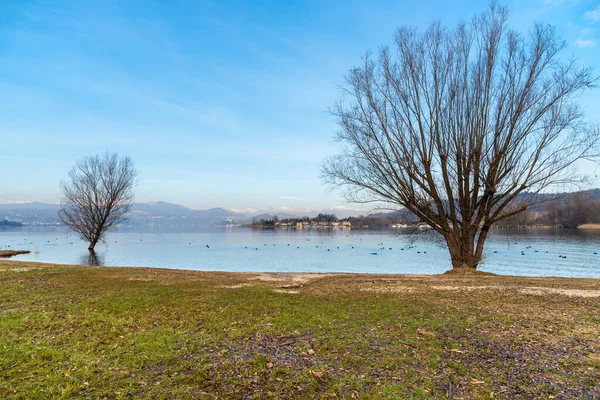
(97, 332)
(10, 253)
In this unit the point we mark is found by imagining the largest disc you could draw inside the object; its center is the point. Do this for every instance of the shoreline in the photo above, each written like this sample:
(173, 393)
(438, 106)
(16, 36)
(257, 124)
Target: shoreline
(282, 276)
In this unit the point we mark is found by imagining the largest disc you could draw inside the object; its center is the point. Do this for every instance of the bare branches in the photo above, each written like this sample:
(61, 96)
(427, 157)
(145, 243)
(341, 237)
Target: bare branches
(455, 125)
(97, 196)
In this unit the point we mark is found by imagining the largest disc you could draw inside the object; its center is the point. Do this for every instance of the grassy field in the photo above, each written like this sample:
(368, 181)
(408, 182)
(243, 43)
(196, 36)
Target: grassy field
(121, 333)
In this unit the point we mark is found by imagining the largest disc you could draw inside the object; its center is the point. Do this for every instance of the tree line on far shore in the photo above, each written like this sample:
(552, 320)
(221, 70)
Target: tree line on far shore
(568, 211)
(377, 220)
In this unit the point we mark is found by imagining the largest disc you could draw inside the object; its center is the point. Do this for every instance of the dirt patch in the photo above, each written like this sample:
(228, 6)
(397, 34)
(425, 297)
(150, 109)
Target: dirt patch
(292, 278)
(288, 291)
(236, 286)
(468, 288)
(533, 290)
(544, 291)
(24, 269)
(388, 289)
(468, 272)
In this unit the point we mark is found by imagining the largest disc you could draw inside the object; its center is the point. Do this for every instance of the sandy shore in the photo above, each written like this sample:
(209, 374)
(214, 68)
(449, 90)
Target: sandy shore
(589, 226)
(377, 283)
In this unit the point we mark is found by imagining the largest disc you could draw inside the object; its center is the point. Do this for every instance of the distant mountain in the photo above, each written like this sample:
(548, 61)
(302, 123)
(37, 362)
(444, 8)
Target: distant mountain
(281, 215)
(402, 215)
(159, 208)
(29, 206)
(291, 212)
(164, 214)
(40, 213)
(152, 214)
(161, 214)
(219, 212)
(542, 200)
(265, 217)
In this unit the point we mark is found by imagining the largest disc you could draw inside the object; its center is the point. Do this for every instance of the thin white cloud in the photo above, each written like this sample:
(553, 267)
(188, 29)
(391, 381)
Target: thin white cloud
(560, 2)
(4, 201)
(585, 43)
(593, 15)
(345, 208)
(292, 198)
(33, 159)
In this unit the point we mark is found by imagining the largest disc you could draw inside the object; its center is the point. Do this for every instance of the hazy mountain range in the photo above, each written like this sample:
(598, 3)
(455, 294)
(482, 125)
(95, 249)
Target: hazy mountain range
(169, 215)
(163, 214)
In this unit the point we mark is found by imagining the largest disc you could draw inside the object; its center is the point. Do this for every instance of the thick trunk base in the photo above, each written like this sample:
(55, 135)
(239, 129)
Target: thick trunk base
(467, 272)
(464, 262)
(463, 265)
(463, 256)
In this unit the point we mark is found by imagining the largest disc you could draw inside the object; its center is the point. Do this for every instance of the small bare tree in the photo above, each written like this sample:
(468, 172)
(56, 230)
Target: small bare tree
(462, 127)
(97, 196)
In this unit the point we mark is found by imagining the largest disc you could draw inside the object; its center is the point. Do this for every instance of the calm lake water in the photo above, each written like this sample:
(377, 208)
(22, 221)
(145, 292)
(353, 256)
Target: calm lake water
(524, 252)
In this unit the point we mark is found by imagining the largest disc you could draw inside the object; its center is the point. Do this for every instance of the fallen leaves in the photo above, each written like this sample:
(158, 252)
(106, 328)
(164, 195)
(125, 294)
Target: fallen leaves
(424, 332)
(317, 373)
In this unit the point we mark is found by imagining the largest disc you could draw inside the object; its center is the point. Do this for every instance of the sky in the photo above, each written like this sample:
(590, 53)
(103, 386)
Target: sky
(218, 103)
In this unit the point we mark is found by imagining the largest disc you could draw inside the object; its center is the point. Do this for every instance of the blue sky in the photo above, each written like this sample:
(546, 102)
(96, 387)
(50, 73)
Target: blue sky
(218, 103)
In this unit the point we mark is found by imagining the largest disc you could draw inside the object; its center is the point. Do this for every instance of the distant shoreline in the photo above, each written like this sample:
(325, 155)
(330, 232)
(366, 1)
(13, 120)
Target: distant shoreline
(143, 228)
(320, 228)
(10, 224)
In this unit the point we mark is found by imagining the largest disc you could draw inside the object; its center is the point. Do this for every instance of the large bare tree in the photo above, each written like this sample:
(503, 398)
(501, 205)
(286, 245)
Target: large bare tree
(97, 196)
(462, 127)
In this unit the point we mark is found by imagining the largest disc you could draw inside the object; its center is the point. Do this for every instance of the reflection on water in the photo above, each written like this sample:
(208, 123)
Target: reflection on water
(92, 259)
(529, 252)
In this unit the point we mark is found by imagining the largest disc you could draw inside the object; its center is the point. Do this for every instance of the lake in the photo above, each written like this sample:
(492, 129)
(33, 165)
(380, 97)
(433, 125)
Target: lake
(527, 252)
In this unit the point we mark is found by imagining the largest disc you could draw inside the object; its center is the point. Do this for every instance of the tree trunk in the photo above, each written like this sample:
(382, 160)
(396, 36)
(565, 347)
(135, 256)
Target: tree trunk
(97, 235)
(93, 244)
(462, 251)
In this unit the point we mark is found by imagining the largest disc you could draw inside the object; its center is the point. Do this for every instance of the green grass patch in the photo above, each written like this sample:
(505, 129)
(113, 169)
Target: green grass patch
(79, 332)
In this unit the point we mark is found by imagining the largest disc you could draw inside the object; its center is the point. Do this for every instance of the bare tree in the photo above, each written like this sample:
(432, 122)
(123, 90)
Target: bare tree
(97, 196)
(462, 127)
